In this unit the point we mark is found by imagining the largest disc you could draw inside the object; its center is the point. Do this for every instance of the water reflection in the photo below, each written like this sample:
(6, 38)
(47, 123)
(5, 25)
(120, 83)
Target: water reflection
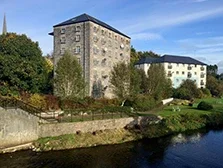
(193, 149)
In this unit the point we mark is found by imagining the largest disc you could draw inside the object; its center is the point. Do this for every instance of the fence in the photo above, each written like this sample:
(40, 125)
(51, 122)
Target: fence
(68, 115)
(13, 103)
(89, 115)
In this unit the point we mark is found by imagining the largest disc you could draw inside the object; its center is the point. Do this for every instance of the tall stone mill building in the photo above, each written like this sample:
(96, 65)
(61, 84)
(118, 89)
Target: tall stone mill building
(97, 46)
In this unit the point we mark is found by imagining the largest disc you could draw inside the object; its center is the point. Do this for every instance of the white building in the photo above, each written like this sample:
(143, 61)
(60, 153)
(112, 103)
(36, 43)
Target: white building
(178, 68)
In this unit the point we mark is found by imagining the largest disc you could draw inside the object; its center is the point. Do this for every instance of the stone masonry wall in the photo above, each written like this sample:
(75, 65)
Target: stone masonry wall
(17, 127)
(57, 129)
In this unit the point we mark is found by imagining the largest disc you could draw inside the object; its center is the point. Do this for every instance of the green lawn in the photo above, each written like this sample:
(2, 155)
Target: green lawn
(174, 109)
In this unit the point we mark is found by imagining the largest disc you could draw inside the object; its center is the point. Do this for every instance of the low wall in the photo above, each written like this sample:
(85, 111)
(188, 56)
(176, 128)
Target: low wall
(57, 129)
(17, 127)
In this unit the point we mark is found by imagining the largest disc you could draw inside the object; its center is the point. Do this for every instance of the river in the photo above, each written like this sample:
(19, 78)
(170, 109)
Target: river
(199, 149)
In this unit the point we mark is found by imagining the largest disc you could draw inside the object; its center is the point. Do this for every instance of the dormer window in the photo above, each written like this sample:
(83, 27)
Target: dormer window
(62, 31)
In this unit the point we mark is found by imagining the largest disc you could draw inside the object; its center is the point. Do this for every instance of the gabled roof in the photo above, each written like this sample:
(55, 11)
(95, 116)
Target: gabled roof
(85, 17)
(170, 59)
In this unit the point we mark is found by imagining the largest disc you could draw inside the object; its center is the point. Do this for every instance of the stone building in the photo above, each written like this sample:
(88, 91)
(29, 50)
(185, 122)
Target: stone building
(97, 46)
(178, 68)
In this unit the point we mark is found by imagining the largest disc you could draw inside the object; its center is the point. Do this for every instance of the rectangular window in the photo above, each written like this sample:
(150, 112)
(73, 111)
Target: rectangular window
(77, 50)
(182, 72)
(62, 31)
(77, 38)
(77, 29)
(177, 72)
(62, 50)
(63, 40)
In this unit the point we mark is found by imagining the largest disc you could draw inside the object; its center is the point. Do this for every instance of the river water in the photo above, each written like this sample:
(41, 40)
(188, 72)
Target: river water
(199, 149)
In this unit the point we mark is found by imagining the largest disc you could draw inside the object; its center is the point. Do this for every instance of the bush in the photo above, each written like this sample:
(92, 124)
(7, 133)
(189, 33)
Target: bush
(204, 106)
(205, 93)
(144, 103)
(38, 101)
(52, 102)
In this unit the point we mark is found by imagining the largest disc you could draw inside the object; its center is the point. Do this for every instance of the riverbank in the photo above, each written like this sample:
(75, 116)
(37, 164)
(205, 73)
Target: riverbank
(168, 125)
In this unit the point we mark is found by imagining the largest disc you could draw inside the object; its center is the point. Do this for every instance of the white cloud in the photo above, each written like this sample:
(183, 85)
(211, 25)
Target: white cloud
(168, 19)
(146, 36)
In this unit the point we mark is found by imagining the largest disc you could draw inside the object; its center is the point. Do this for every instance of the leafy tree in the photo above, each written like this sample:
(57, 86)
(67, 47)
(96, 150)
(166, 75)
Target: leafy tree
(158, 85)
(22, 67)
(150, 54)
(215, 86)
(187, 90)
(134, 57)
(212, 70)
(69, 81)
(120, 80)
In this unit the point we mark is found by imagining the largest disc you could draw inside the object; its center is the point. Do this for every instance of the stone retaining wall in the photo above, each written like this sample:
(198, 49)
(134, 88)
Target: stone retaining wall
(17, 127)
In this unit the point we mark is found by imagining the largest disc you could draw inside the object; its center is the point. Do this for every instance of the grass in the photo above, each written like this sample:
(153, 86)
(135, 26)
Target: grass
(216, 102)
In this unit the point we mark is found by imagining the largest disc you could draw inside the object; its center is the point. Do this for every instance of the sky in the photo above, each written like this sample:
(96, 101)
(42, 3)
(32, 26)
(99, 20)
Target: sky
(178, 27)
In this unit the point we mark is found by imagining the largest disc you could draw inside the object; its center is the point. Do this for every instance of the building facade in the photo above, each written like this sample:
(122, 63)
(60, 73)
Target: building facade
(96, 45)
(178, 69)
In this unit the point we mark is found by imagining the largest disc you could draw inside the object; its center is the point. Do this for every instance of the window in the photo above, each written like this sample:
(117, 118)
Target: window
(195, 73)
(169, 66)
(182, 72)
(77, 29)
(202, 82)
(169, 74)
(177, 80)
(116, 37)
(189, 75)
(202, 68)
(177, 72)
(77, 38)
(202, 75)
(77, 50)
(62, 50)
(177, 64)
(102, 32)
(63, 40)
(62, 31)
(195, 65)
(95, 29)
(189, 67)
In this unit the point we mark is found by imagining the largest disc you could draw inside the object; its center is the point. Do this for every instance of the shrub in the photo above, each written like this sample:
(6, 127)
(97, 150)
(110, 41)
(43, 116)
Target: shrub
(52, 102)
(144, 103)
(205, 92)
(204, 106)
(37, 101)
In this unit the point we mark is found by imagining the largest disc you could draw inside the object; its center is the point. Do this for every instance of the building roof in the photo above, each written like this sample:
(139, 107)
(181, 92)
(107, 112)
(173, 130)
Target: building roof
(85, 17)
(170, 59)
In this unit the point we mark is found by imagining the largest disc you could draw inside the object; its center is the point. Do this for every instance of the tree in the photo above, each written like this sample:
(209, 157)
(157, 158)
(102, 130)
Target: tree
(187, 90)
(22, 67)
(69, 81)
(158, 85)
(133, 55)
(150, 54)
(215, 86)
(120, 80)
(212, 70)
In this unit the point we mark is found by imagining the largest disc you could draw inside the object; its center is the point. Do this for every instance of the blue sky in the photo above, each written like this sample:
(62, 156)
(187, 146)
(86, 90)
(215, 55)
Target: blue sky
(179, 27)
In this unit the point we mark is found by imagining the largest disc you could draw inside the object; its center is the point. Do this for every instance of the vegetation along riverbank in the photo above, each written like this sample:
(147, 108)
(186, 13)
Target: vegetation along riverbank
(176, 117)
